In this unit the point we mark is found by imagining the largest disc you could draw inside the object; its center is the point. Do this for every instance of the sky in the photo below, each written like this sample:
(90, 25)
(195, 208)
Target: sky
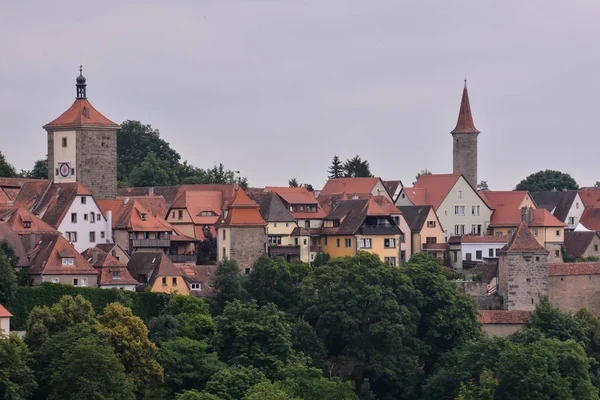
(275, 88)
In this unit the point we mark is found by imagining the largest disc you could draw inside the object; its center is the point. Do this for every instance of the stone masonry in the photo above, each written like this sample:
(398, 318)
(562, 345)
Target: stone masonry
(247, 245)
(523, 279)
(97, 161)
(465, 156)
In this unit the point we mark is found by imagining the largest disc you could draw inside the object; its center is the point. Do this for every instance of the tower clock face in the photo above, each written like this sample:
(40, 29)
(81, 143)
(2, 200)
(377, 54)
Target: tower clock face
(64, 170)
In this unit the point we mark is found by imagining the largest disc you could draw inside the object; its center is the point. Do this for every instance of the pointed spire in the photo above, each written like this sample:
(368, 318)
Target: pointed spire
(465, 119)
(81, 84)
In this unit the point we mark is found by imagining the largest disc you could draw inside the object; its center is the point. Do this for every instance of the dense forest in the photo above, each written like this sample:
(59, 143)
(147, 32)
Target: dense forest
(352, 328)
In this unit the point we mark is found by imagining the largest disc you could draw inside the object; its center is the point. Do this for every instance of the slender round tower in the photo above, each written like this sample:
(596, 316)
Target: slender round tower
(464, 142)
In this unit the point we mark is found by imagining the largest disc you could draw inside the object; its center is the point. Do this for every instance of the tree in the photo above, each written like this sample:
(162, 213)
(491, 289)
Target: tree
(6, 169)
(216, 175)
(163, 328)
(308, 383)
(232, 383)
(268, 391)
(193, 315)
(135, 141)
(483, 186)
(366, 313)
(293, 183)
(228, 285)
(336, 170)
(39, 171)
(89, 369)
(255, 336)
(419, 174)
(548, 180)
(16, 378)
(306, 341)
(43, 322)
(188, 364)
(128, 335)
(151, 172)
(597, 184)
(196, 395)
(356, 168)
(207, 249)
(321, 259)
(8, 278)
(556, 324)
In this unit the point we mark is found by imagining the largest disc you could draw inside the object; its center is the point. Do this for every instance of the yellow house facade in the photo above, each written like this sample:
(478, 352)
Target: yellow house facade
(426, 230)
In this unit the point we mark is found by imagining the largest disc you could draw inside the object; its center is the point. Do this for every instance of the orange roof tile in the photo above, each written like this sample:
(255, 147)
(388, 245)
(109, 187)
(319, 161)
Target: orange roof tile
(503, 316)
(590, 197)
(17, 217)
(507, 207)
(437, 187)
(543, 217)
(465, 118)
(156, 205)
(477, 239)
(294, 195)
(57, 200)
(415, 195)
(127, 214)
(576, 268)
(197, 202)
(349, 185)
(243, 212)
(81, 114)
(46, 257)
(387, 206)
(590, 218)
(524, 241)
(4, 313)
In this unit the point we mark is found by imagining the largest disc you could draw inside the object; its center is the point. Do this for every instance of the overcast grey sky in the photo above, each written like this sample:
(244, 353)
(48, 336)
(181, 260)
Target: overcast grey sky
(275, 88)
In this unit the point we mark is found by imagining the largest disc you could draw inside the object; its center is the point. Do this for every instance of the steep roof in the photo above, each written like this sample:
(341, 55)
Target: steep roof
(392, 186)
(127, 214)
(543, 218)
(242, 212)
(299, 196)
(156, 205)
(272, 208)
(523, 241)
(81, 114)
(197, 202)
(465, 118)
(47, 253)
(558, 203)
(349, 186)
(106, 264)
(4, 313)
(576, 268)
(171, 193)
(436, 188)
(16, 217)
(507, 207)
(31, 192)
(576, 243)
(57, 200)
(151, 265)
(203, 274)
(590, 197)
(351, 214)
(503, 316)
(12, 239)
(590, 218)
(415, 216)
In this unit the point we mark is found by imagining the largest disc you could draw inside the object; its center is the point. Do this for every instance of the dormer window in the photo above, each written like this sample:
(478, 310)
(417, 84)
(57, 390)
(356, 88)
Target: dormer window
(116, 274)
(143, 216)
(26, 224)
(68, 261)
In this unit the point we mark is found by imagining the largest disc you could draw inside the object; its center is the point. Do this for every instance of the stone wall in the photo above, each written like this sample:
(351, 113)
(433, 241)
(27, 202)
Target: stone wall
(501, 330)
(465, 156)
(50, 156)
(472, 288)
(492, 302)
(555, 255)
(526, 280)
(572, 292)
(97, 161)
(247, 245)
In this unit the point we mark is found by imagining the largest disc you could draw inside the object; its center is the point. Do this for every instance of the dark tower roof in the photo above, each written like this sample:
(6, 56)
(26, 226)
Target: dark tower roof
(465, 118)
(81, 84)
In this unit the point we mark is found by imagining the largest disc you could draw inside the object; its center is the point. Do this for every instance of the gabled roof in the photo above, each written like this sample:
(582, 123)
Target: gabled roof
(47, 253)
(543, 218)
(590, 218)
(16, 217)
(349, 186)
(127, 214)
(436, 188)
(576, 243)
(576, 268)
(156, 205)
(13, 240)
(198, 201)
(151, 265)
(523, 241)
(203, 274)
(57, 200)
(350, 213)
(81, 114)
(106, 265)
(4, 313)
(31, 192)
(392, 187)
(293, 195)
(415, 216)
(242, 212)
(272, 208)
(558, 203)
(507, 207)
(170, 193)
(465, 118)
(477, 239)
(590, 197)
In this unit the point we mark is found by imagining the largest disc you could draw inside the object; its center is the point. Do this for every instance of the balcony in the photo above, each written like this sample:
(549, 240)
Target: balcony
(151, 243)
(435, 246)
(284, 250)
(379, 230)
(315, 249)
(183, 258)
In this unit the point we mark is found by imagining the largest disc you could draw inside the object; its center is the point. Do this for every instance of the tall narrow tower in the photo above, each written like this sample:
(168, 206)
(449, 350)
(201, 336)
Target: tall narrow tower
(82, 147)
(464, 139)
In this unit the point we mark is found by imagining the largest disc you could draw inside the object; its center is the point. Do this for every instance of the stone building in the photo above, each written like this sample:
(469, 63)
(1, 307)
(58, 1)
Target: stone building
(522, 271)
(464, 142)
(82, 147)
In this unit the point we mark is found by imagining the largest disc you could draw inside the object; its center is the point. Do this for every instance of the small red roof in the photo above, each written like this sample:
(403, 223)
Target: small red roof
(544, 218)
(465, 118)
(577, 268)
(436, 187)
(506, 205)
(349, 186)
(81, 114)
(4, 313)
(503, 316)
(524, 241)
(243, 211)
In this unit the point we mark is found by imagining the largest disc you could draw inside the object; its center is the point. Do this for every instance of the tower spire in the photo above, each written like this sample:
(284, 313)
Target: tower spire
(81, 84)
(465, 118)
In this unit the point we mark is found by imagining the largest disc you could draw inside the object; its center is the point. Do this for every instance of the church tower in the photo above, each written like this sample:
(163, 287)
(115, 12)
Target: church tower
(464, 139)
(82, 147)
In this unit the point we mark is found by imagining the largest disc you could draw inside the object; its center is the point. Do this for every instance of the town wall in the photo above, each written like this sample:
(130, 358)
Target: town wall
(572, 292)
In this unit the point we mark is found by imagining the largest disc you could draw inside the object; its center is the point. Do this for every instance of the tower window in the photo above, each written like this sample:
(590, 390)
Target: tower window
(64, 142)
(83, 199)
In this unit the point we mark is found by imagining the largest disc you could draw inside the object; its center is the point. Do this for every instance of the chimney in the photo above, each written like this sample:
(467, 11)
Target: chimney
(94, 256)
(151, 191)
(527, 215)
(108, 226)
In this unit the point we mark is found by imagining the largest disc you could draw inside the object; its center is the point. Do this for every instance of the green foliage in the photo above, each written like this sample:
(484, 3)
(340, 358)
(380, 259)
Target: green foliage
(293, 182)
(228, 285)
(128, 335)
(16, 378)
(591, 327)
(232, 383)
(8, 278)
(556, 324)
(336, 170)
(250, 335)
(365, 311)
(356, 168)
(483, 391)
(6, 169)
(196, 395)
(207, 249)
(215, 175)
(152, 172)
(39, 171)
(483, 186)
(547, 180)
(321, 259)
(267, 391)
(188, 364)
(194, 317)
(309, 384)
(422, 172)
(306, 341)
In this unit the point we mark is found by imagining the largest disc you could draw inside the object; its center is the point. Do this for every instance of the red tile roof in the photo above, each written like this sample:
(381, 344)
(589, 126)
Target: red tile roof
(544, 218)
(524, 241)
(127, 214)
(81, 114)
(349, 186)
(13, 240)
(196, 202)
(436, 186)
(106, 264)
(16, 217)
(4, 313)
(299, 196)
(242, 212)
(590, 197)
(387, 206)
(577, 268)
(465, 118)
(57, 200)
(415, 195)
(506, 206)
(590, 218)
(202, 274)
(477, 239)
(156, 205)
(503, 316)
(46, 257)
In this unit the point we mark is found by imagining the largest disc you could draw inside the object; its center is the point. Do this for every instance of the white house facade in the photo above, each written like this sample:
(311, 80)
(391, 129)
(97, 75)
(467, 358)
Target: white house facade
(84, 225)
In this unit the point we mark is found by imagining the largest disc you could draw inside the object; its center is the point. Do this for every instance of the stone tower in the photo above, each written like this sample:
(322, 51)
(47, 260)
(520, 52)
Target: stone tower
(522, 271)
(464, 139)
(82, 147)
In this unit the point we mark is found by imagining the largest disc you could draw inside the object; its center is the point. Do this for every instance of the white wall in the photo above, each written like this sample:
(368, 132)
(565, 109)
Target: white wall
(5, 326)
(483, 247)
(83, 227)
(575, 211)
(380, 190)
(123, 287)
(64, 154)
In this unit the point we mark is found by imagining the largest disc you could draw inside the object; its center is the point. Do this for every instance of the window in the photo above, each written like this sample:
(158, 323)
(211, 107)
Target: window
(402, 239)
(557, 232)
(224, 235)
(491, 252)
(97, 217)
(71, 236)
(571, 220)
(462, 229)
(535, 232)
(174, 281)
(348, 242)
(403, 195)
(537, 258)
(180, 214)
(116, 274)
(224, 253)
(92, 218)
(275, 240)
(293, 208)
(459, 194)
(102, 235)
(389, 243)
(275, 225)
(301, 208)
(390, 260)
(478, 255)
(287, 224)
(475, 210)
(311, 208)
(74, 218)
(296, 241)
(85, 217)
(403, 256)
(456, 210)
(431, 239)
(64, 142)
(164, 281)
(26, 224)
(305, 242)
(143, 216)
(397, 220)
(83, 199)
(92, 237)
(325, 240)
(455, 255)
(595, 247)
(474, 229)
(307, 223)
(75, 282)
(337, 242)
(576, 205)
(68, 261)
(462, 210)
(457, 230)
(498, 234)
(196, 286)
(431, 224)
(55, 280)
(557, 252)
(246, 271)
(173, 215)
(83, 282)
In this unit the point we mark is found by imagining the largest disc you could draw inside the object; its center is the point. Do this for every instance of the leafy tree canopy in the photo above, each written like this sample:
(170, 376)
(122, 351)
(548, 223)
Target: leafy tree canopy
(152, 172)
(228, 285)
(39, 171)
(16, 377)
(6, 169)
(293, 182)
(483, 186)
(8, 278)
(548, 180)
(422, 172)
(356, 168)
(232, 383)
